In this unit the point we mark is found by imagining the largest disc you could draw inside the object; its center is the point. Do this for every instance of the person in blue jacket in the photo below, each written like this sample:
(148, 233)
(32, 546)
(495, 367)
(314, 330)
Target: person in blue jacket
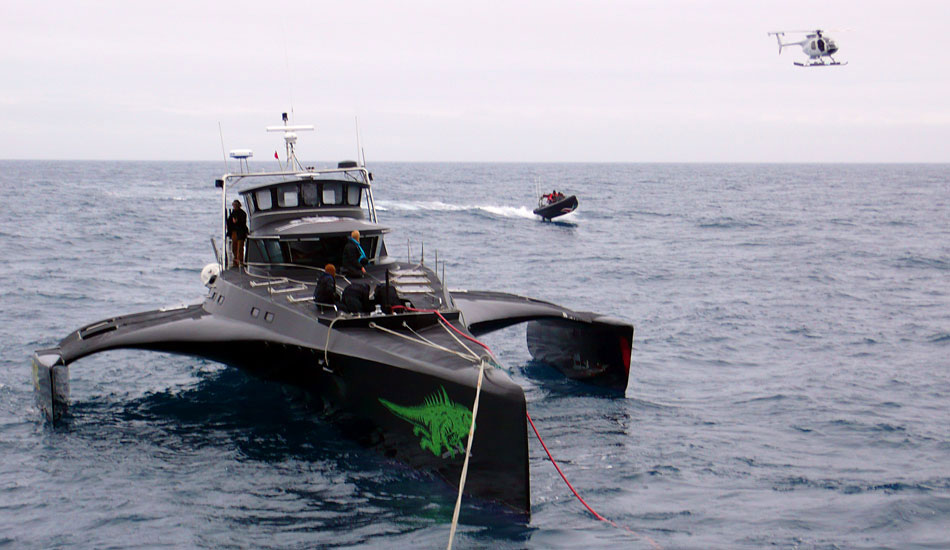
(354, 259)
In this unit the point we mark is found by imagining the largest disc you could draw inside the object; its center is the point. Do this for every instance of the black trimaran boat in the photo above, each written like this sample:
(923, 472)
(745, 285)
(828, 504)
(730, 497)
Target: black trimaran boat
(402, 381)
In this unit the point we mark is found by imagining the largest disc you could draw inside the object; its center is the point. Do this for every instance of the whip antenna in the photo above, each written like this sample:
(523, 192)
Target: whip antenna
(223, 155)
(360, 155)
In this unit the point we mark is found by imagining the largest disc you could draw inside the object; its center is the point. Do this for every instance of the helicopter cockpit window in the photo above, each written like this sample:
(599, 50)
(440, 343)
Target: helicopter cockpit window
(332, 193)
(287, 196)
(821, 45)
(309, 193)
(263, 199)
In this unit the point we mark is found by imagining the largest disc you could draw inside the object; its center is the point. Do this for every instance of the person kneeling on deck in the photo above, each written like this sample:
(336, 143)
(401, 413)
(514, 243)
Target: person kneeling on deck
(356, 298)
(353, 257)
(326, 293)
(385, 296)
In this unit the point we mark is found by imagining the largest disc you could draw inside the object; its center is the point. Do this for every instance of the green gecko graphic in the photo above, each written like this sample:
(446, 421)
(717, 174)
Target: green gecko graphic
(441, 422)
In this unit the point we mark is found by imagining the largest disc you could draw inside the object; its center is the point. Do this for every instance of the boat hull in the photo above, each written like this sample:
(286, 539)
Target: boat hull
(560, 208)
(600, 355)
(412, 411)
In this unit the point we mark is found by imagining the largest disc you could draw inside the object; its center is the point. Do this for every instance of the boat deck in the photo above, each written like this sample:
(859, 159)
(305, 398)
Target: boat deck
(294, 286)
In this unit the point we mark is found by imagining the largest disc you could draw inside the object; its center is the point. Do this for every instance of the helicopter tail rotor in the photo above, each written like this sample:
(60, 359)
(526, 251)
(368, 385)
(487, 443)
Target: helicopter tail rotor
(778, 38)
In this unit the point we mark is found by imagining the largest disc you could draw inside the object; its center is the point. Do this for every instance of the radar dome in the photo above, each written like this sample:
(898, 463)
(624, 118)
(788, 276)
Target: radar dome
(209, 273)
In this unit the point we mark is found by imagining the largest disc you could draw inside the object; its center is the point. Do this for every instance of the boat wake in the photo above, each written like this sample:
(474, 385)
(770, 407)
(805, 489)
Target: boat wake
(438, 206)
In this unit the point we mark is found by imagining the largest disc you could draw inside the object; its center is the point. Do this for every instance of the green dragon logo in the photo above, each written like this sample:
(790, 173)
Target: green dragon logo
(440, 422)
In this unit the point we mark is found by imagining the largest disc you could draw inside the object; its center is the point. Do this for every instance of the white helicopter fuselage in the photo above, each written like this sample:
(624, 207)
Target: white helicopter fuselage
(816, 46)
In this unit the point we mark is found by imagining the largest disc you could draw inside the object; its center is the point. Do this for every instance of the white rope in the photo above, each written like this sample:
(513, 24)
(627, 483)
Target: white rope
(326, 348)
(426, 340)
(468, 452)
(460, 342)
(424, 343)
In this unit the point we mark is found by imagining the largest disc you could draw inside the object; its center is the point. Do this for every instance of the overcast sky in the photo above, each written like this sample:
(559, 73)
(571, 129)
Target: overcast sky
(624, 81)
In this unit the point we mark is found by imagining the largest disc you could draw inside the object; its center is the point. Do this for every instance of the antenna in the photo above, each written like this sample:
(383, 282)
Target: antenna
(359, 145)
(290, 139)
(290, 74)
(223, 155)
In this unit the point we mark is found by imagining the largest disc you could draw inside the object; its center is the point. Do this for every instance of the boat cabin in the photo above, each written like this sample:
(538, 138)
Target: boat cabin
(306, 221)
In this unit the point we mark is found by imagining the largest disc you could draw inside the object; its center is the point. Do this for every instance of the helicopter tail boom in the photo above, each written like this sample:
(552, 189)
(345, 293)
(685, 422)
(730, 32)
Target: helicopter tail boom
(778, 38)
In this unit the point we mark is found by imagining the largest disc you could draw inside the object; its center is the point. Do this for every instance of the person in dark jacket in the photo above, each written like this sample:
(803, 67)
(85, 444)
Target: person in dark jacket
(353, 257)
(356, 298)
(326, 287)
(237, 230)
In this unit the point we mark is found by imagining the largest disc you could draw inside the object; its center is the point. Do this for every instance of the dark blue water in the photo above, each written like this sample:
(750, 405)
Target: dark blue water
(789, 388)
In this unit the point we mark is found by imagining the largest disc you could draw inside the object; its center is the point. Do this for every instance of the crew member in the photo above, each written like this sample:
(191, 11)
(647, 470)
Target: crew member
(326, 287)
(237, 229)
(353, 257)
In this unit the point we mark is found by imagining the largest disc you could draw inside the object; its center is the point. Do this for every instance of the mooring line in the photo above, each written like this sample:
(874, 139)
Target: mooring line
(471, 433)
(571, 487)
(468, 453)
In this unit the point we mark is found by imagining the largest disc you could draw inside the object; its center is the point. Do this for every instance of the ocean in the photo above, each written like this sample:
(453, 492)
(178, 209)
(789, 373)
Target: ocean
(789, 383)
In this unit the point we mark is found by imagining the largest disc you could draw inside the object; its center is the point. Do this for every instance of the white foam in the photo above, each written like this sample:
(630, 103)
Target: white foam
(438, 206)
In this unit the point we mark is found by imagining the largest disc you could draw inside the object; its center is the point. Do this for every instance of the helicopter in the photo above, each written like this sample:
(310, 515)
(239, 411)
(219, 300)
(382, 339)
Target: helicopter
(816, 45)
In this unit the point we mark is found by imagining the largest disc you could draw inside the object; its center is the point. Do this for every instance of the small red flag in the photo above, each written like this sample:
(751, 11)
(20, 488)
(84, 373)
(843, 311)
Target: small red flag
(275, 155)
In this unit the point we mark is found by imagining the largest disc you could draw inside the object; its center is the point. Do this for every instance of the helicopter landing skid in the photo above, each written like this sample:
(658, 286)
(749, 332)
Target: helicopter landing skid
(820, 64)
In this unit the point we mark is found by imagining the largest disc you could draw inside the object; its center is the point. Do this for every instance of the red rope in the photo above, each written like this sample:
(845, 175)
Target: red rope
(533, 427)
(558, 468)
(571, 487)
(446, 321)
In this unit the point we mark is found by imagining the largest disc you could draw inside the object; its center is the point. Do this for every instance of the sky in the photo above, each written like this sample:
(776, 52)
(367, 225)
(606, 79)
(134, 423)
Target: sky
(533, 81)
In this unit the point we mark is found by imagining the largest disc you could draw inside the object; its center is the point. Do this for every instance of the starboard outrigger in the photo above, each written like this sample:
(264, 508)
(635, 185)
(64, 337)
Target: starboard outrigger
(402, 375)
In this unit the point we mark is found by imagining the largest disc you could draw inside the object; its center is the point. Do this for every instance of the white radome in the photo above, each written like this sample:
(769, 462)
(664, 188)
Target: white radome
(209, 273)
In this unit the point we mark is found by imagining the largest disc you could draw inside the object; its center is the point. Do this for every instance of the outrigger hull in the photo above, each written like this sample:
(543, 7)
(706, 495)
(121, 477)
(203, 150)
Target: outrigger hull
(582, 345)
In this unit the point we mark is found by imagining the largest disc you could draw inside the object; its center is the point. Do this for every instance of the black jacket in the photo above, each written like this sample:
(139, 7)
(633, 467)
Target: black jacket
(237, 223)
(352, 263)
(326, 290)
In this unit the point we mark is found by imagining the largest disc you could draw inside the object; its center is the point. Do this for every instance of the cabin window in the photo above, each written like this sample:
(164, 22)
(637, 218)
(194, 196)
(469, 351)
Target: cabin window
(316, 253)
(333, 193)
(287, 196)
(353, 194)
(309, 193)
(266, 251)
(274, 253)
(369, 246)
(269, 317)
(255, 312)
(263, 199)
